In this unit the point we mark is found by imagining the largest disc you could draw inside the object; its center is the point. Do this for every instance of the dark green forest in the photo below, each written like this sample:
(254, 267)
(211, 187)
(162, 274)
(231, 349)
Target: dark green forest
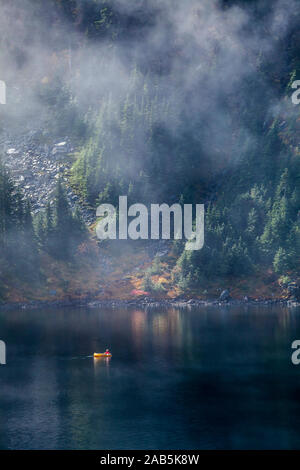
(191, 113)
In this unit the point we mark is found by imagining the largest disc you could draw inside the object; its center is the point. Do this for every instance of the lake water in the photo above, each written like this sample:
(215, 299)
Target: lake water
(205, 378)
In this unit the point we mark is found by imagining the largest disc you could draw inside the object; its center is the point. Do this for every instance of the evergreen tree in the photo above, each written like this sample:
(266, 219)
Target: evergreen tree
(63, 223)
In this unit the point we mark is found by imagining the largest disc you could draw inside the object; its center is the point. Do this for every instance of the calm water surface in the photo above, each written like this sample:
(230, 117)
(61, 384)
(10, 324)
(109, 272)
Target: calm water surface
(203, 378)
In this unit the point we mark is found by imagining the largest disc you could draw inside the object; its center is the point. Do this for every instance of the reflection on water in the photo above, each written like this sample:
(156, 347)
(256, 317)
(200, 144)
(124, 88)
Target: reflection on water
(197, 378)
(101, 363)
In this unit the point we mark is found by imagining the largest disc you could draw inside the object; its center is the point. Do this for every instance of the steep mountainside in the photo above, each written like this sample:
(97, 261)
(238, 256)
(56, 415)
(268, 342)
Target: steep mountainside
(165, 102)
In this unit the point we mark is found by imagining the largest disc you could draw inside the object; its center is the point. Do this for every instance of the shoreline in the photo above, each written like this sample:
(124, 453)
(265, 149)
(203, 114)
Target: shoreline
(146, 303)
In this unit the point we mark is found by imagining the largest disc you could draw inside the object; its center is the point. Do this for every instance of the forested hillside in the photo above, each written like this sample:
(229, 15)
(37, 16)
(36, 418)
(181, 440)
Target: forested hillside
(172, 101)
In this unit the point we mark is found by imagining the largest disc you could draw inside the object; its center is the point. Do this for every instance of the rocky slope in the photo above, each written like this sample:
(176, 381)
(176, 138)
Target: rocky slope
(36, 165)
